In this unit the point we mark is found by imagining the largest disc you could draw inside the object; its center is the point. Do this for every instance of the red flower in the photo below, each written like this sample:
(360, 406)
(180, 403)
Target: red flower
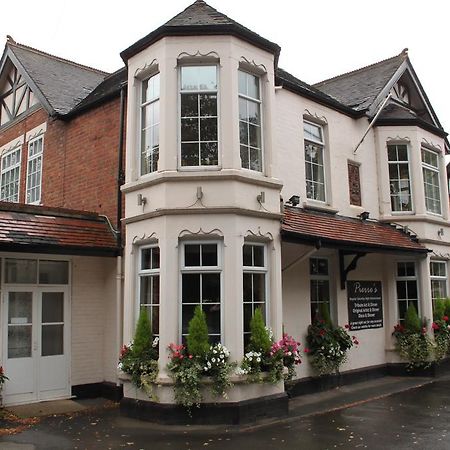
(306, 350)
(322, 332)
(435, 326)
(356, 342)
(445, 318)
(347, 326)
(424, 330)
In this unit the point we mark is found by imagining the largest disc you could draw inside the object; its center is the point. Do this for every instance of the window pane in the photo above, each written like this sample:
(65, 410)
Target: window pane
(212, 313)
(52, 340)
(20, 271)
(247, 293)
(192, 255)
(198, 78)
(208, 129)
(155, 319)
(189, 130)
(209, 254)
(20, 307)
(211, 288)
(242, 78)
(191, 288)
(247, 255)
(189, 105)
(188, 314)
(208, 105)
(19, 341)
(189, 154)
(312, 132)
(145, 290)
(155, 289)
(401, 290)
(52, 307)
(209, 154)
(259, 287)
(53, 272)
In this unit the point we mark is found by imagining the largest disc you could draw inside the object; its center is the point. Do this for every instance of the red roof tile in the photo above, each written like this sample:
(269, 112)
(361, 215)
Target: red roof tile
(346, 232)
(54, 230)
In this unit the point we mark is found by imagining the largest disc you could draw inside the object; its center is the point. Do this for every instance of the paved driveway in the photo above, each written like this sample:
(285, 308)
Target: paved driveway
(415, 419)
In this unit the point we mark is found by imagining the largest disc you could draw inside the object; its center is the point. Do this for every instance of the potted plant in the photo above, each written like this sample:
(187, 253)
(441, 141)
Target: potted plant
(412, 341)
(441, 331)
(140, 358)
(197, 362)
(328, 345)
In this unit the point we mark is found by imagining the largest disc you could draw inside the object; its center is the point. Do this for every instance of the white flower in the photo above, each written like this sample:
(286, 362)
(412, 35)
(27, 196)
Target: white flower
(214, 351)
(222, 356)
(258, 359)
(155, 342)
(205, 369)
(213, 360)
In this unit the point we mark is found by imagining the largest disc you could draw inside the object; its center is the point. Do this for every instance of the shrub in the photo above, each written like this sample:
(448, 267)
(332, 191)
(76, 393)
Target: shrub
(140, 358)
(197, 339)
(412, 320)
(447, 307)
(260, 340)
(441, 330)
(439, 309)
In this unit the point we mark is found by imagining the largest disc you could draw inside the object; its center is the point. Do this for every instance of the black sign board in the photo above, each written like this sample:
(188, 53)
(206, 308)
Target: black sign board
(365, 305)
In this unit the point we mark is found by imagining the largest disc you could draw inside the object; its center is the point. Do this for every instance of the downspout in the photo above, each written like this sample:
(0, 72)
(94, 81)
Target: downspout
(372, 122)
(119, 270)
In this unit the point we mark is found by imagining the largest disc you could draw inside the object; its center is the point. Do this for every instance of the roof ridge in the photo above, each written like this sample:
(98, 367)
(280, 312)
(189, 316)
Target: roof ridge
(68, 61)
(403, 54)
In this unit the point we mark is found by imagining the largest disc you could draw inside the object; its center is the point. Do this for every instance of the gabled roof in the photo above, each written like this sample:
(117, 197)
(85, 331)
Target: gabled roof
(346, 233)
(201, 19)
(360, 88)
(26, 228)
(58, 83)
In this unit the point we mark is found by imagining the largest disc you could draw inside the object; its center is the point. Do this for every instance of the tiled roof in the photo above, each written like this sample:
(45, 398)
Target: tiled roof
(294, 84)
(358, 89)
(346, 232)
(200, 19)
(53, 230)
(62, 83)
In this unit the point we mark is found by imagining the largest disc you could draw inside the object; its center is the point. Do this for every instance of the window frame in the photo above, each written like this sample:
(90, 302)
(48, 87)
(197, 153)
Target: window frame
(256, 270)
(183, 269)
(437, 170)
(323, 146)
(406, 278)
(397, 162)
(18, 165)
(151, 273)
(217, 91)
(438, 278)
(260, 102)
(32, 158)
(143, 105)
(313, 277)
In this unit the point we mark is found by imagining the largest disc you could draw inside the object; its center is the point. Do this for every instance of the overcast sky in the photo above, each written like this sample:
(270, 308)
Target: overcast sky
(318, 39)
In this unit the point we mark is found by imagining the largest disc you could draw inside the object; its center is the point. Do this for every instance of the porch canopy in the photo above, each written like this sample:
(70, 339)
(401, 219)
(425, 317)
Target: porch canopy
(349, 235)
(38, 229)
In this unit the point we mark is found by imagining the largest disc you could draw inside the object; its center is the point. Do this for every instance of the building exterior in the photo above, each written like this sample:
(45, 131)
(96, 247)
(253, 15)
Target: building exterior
(60, 259)
(244, 187)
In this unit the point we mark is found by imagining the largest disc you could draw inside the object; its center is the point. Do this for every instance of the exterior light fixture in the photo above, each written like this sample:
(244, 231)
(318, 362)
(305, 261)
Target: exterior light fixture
(141, 201)
(294, 200)
(364, 215)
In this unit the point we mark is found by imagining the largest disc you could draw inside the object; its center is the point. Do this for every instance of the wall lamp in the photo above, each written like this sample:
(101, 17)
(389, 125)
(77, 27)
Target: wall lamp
(141, 201)
(294, 200)
(364, 215)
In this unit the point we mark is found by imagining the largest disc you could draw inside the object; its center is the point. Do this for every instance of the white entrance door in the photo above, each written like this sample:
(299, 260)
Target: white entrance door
(36, 344)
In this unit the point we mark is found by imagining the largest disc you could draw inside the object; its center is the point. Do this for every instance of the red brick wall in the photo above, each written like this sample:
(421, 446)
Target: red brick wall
(80, 159)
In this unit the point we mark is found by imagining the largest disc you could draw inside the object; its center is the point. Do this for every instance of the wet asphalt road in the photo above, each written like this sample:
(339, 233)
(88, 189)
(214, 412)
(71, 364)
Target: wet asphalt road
(416, 419)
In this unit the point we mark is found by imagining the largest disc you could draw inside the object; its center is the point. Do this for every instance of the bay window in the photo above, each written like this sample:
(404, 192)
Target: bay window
(254, 286)
(430, 170)
(148, 275)
(399, 179)
(198, 116)
(314, 161)
(201, 285)
(250, 122)
(150, 124)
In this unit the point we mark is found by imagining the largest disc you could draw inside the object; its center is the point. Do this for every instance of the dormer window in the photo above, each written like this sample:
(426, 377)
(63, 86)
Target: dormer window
(198, 119)
(150, 125)
(401, 93)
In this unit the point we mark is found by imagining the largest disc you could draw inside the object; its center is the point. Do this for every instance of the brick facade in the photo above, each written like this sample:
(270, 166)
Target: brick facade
(80, 159)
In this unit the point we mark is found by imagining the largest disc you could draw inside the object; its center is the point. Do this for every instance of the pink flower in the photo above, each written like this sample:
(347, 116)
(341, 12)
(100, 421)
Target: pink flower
(307, 350)
(435, 326)
(347, 326)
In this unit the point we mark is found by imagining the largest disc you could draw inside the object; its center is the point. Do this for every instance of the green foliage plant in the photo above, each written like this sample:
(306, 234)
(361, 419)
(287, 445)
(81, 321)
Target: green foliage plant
(197, 339)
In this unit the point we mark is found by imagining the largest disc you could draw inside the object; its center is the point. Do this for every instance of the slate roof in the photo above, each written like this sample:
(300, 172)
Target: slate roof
(358, 89)
(62, 83)
(53, 230)
(296, 85)
(108, 88)
(346, 232)
(200, 19)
